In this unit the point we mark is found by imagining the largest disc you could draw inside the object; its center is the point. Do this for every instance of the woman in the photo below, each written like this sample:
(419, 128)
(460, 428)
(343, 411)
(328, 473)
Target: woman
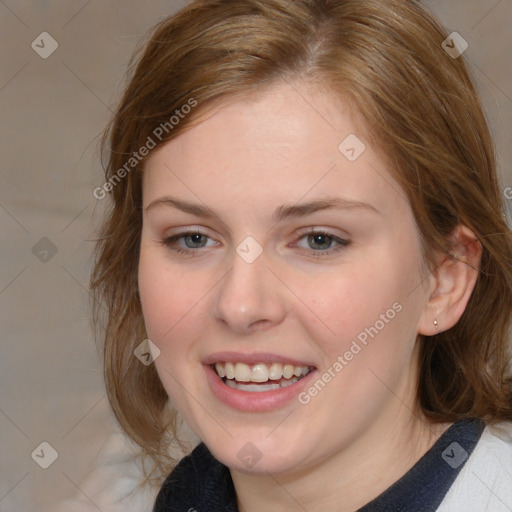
(307, 258)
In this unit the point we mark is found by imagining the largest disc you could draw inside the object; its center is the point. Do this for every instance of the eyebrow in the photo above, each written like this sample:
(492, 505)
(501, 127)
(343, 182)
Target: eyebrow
(281, 213)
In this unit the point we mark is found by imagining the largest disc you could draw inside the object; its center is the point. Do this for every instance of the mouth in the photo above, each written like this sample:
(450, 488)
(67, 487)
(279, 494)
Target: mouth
(257, 382)
(260, 377)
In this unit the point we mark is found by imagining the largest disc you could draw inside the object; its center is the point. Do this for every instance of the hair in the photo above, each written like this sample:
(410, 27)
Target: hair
(419, 104)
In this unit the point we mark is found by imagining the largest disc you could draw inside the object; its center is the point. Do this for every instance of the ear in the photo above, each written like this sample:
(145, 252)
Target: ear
(453, 279)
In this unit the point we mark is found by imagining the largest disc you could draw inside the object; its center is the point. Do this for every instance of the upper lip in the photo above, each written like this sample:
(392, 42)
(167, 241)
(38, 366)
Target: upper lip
(253, 358)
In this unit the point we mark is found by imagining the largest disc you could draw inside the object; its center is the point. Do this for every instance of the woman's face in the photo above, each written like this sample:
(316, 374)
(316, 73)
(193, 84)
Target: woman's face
(275, 245)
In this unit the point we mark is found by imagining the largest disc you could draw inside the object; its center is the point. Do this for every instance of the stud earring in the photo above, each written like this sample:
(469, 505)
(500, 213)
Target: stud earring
(436, 325)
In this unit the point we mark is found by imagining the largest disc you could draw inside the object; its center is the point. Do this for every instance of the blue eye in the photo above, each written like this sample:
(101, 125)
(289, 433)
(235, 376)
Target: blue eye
(321, 242)
(192, 239)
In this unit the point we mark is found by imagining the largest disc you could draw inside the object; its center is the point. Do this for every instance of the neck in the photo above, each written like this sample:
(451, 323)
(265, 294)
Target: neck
(352, 476)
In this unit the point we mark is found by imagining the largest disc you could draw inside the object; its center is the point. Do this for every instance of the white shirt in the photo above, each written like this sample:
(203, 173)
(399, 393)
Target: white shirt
(485, 481)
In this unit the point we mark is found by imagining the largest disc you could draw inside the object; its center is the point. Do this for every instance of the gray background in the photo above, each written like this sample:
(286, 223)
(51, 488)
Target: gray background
(52, 112)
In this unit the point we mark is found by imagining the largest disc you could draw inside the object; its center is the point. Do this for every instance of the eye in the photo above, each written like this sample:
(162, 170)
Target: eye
(192, 240)
(322, 242)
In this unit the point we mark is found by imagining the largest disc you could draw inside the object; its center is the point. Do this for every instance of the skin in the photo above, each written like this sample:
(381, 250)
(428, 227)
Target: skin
(243, 160)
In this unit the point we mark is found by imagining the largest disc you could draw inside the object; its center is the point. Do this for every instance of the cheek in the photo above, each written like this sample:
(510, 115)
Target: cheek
(343, 305)
(366, 335)
(171, 304)
(368, 330)
(169, 300)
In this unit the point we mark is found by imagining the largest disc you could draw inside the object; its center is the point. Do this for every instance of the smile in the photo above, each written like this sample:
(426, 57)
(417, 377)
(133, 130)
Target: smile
(257, 382)
(260, 377)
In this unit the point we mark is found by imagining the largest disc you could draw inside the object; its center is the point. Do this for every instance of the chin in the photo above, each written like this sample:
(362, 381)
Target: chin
(258, 454)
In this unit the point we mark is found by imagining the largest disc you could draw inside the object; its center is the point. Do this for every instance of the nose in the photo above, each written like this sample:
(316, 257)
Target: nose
(250, 297)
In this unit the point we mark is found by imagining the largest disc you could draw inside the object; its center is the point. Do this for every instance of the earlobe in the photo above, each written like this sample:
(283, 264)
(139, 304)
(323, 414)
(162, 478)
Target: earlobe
(454, 280)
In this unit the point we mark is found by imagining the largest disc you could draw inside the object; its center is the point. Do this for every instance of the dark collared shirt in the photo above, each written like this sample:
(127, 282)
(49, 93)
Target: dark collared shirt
(200, 483)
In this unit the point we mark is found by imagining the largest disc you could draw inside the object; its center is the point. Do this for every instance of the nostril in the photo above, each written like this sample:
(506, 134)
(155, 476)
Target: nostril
(258, 324)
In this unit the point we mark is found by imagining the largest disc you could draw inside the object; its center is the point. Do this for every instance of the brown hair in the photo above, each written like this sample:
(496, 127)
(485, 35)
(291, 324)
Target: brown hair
(419, 104)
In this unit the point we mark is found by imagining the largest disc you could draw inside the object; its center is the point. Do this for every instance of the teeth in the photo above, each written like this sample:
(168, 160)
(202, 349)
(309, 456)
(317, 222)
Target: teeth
(259, 373)
(286, 383)
(288, 370)
(241, 372)
(229, 369)
(220, 370)
(260, 388)
(275, 371)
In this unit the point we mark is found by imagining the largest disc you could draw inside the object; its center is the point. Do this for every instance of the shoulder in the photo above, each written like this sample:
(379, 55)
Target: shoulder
(199, 482)
(485, 481)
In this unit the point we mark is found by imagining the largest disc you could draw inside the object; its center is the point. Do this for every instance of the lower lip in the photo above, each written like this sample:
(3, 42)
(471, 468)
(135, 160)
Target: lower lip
(252, 401)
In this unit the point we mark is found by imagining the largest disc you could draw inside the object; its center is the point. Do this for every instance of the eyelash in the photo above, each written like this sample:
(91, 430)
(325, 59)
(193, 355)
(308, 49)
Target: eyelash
(342, 243)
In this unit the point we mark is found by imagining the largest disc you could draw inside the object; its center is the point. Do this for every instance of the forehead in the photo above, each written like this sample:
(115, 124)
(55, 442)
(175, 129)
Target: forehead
(288, 142)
